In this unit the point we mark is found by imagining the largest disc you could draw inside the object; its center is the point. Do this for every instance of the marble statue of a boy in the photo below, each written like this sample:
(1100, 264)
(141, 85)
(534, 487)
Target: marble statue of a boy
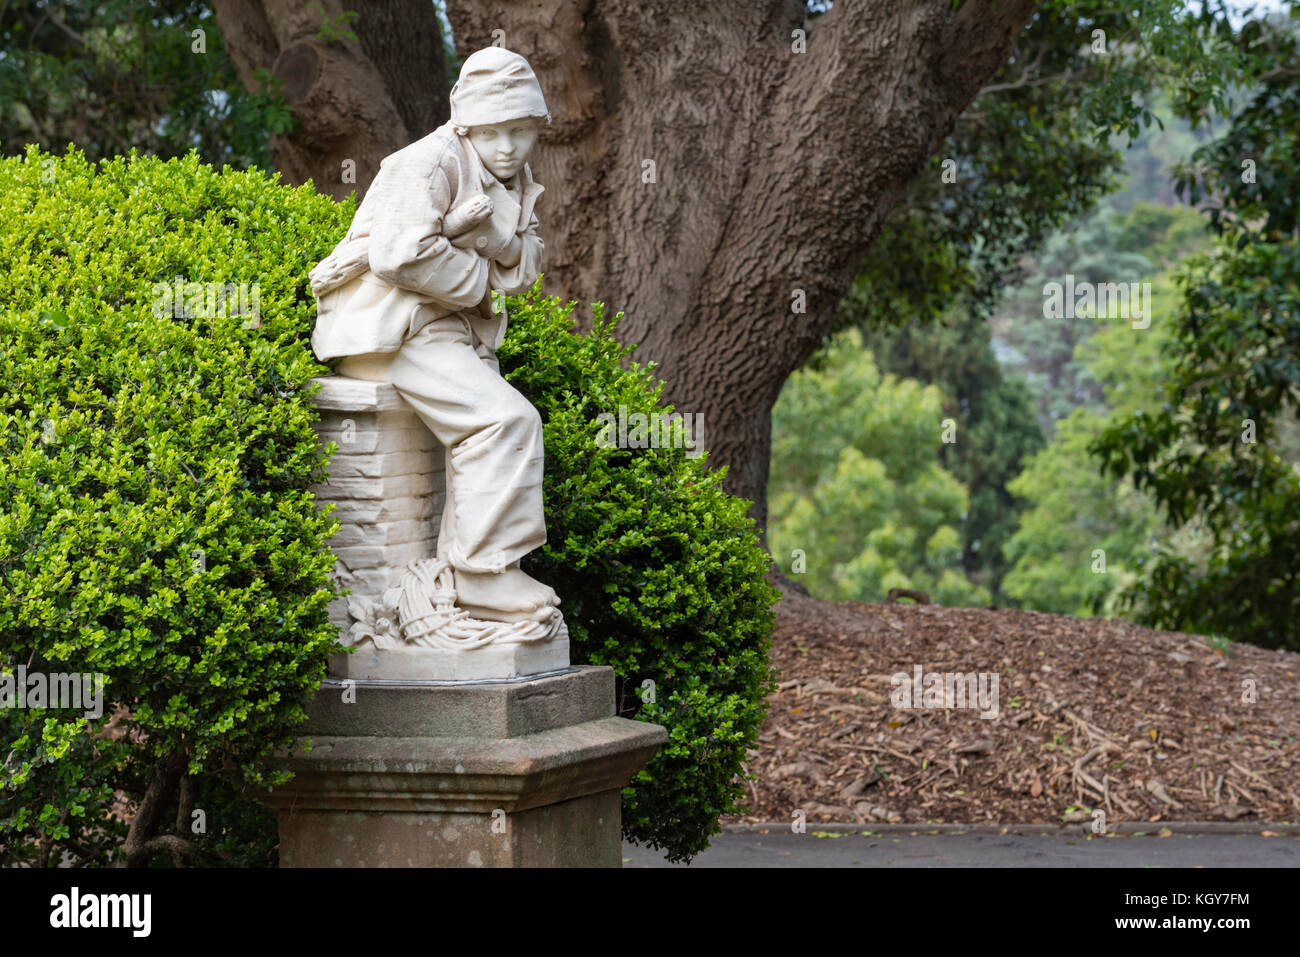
(405, 298)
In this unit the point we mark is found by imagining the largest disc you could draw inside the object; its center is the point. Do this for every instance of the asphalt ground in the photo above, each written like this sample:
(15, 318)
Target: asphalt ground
(1157, 846)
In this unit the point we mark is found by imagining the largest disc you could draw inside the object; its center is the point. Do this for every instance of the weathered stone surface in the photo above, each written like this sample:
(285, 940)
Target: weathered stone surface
(515, 774)
(385, 487)
(404, 775)
(355, 420)
(573, 833)
(360, 441)
(370, 582)
(367, 511)
(361, 421)
(345, 394)
(357, 557)
(492, 661)
(495, 709)
(339, 616)
(385, 533)
(379, 464)
(341, 426)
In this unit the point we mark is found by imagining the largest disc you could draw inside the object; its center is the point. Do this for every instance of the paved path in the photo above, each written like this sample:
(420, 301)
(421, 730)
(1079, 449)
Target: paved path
(784, 849)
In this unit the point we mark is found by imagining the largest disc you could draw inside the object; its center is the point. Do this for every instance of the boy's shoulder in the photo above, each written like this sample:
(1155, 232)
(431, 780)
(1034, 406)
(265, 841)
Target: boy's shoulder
(441, 149)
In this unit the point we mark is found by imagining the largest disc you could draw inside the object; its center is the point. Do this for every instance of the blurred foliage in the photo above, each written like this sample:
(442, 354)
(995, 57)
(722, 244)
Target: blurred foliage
(112, 75)
(859, 501)
(996, 431)
(1073, 510)
(1106, 247)
(1216, 450)
(1037, 150)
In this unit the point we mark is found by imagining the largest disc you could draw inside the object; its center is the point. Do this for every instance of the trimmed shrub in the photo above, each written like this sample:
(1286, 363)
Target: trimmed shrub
(659, 571)
(155, 520)
(156, 525)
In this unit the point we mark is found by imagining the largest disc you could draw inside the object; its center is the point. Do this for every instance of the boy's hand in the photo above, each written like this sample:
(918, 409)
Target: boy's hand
(466, 216)
(509, 257)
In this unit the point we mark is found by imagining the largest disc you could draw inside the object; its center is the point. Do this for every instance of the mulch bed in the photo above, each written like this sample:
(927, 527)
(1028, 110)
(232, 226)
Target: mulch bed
(1147, 725)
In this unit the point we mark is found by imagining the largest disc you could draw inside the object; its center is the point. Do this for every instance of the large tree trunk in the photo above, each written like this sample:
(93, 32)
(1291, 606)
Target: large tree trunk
(355, 101)
(773, 171)
(701, 175)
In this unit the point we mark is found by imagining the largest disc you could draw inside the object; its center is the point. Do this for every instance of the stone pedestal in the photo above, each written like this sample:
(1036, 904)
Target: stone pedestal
(439, 774)
(387, 483)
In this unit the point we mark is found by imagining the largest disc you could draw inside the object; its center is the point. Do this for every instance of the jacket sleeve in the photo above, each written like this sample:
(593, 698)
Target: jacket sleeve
(520, 277)
(407, 245)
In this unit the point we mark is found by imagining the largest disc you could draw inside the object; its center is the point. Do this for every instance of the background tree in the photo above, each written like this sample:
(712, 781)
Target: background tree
(972, 225)
(1073, 510)
(115, 75)
(860, 503)
(1217, 449)
(1106, 246)
(723, 169)
(964, 226)
(362, 80)
(993, 426)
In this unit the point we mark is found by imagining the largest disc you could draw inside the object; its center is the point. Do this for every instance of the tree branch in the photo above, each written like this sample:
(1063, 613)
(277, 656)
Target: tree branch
(163, 842)
(140, 836)
(977, 41)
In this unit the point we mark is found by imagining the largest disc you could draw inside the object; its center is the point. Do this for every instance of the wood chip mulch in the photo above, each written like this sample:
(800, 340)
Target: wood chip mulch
(1146, 725)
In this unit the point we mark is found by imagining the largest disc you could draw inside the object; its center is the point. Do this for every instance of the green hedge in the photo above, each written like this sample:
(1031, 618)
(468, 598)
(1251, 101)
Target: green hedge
(659, 571)
(155, 523)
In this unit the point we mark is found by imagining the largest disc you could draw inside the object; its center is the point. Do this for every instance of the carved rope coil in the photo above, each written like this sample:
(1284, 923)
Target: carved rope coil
(429, 618)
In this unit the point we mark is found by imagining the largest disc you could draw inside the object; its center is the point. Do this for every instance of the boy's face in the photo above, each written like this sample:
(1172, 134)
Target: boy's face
(504, 147)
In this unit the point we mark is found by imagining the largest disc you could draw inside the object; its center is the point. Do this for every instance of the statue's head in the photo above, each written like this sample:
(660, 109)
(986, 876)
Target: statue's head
(504, 147)
(497, 104)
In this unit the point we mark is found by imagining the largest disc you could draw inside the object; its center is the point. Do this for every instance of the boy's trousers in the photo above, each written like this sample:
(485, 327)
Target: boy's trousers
(493, 436)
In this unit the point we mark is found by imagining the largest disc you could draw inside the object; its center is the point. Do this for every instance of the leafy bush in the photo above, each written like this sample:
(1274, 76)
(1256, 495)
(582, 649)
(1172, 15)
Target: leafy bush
(155, 520)
(156, 524)
(660, 573)
(1219, 452)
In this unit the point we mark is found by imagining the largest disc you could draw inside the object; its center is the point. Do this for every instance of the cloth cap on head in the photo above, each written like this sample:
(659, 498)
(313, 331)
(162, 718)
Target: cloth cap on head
(496, 85)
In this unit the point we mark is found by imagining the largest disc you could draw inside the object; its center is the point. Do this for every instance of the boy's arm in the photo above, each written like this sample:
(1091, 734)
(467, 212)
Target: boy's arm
(407, 245)
(516, 279)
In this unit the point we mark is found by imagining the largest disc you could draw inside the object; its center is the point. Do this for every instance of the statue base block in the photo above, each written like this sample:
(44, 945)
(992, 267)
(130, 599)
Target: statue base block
(443, 774)
(488, 663)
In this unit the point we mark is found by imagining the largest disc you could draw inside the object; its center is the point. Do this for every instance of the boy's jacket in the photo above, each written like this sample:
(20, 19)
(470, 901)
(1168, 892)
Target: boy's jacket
(398, 269)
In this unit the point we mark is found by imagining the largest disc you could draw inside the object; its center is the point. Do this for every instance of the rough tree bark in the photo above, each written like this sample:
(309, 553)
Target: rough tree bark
(708, 179)
(773, 170)
(355, 100)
